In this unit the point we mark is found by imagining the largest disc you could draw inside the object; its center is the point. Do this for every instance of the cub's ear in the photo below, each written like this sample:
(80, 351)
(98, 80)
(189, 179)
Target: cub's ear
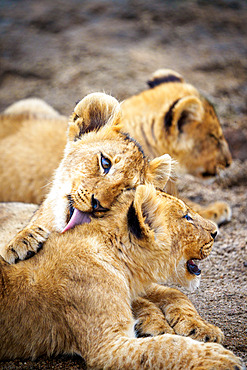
(143, 213)
(183, 111)
(92, 113)
(162, 76)
(161, 169)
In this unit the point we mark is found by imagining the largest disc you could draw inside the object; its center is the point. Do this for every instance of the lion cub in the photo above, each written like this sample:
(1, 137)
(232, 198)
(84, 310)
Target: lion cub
(99, 162)
(75, 295)
(169, 117)
(173, 117)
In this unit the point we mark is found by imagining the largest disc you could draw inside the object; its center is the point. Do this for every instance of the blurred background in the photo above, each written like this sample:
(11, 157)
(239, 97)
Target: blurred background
(61, 50)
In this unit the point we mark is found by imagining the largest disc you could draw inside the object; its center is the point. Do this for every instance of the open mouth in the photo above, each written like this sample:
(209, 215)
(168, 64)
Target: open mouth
(193, 268)
(214, 172)
(206, 175)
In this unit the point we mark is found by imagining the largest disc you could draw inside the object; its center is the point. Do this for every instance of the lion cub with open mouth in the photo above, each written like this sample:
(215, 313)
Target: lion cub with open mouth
(80, 292)
(76, 295)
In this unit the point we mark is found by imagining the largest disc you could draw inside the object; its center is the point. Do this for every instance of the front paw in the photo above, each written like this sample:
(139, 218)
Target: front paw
(150, 326)
(218, 212)
(150, 319)
(196, 328)
(25, 244)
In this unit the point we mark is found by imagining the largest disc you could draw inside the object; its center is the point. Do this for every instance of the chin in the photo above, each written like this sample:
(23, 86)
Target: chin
(184, 278)
(193, 284)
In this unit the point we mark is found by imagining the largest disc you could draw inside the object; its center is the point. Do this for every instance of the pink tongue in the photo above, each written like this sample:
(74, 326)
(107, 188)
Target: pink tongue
(78, 218)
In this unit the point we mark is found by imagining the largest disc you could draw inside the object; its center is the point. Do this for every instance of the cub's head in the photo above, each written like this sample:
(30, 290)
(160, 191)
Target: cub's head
(189, 125)
(99, 163)
(168, 237)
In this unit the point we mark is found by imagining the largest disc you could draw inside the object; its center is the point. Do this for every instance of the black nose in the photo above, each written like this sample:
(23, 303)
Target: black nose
(97, 207)
(214, 234)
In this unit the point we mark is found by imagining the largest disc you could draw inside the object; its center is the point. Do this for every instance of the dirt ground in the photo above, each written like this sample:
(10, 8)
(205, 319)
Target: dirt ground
(62, 50)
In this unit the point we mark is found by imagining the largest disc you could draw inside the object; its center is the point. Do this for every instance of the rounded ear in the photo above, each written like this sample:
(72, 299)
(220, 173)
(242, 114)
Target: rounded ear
(143, 214)
(92, 113)
(138, 221)
(161, 169)
(163, 76)
(182, 112)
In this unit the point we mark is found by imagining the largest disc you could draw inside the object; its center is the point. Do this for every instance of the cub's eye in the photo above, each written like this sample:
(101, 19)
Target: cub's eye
(213, 137)
(188, 218)
(105, 163)
(75, 117)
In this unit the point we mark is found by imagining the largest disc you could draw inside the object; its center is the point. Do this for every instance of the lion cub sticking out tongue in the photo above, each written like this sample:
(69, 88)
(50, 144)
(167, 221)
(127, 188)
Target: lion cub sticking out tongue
(78, 293)
(99, 163)
(75, 296)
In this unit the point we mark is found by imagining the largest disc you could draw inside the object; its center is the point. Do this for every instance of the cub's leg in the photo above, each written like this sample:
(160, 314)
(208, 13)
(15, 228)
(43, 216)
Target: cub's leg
(218, 212)
(29, 240)
(150, 319)
(177, 311)
(161, 352)
(110, 343)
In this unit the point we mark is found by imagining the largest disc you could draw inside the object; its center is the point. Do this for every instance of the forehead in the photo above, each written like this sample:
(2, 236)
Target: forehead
(211, 117)
(112, 147)
(173, 203)
(121, 146)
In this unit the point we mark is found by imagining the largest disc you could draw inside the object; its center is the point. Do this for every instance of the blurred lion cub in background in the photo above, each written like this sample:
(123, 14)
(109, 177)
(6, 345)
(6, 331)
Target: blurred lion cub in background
(170, 117)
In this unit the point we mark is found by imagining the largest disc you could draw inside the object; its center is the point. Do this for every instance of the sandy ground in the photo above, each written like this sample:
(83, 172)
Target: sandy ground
(62, 50)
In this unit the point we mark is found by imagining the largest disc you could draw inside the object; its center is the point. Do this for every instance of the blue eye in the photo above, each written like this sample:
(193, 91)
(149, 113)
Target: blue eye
(188, 218)
(105, 163)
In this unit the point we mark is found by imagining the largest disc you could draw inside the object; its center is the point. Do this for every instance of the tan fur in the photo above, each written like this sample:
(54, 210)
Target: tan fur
(32, 236)
(31, 147)
(33, 136)
(13, 217)
(218, 212)
(172, 117)
(193, 135)
(152, 318)
(75, 295)
(166, 310)
(81, 181)
(200, 148)
(32, 107)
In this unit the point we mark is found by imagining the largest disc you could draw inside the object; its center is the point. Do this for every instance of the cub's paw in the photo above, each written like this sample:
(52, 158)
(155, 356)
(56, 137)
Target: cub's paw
(25, 244)
(150, 319)
(197, 328)
(150, 326)
(218, 212)
(215, 356)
